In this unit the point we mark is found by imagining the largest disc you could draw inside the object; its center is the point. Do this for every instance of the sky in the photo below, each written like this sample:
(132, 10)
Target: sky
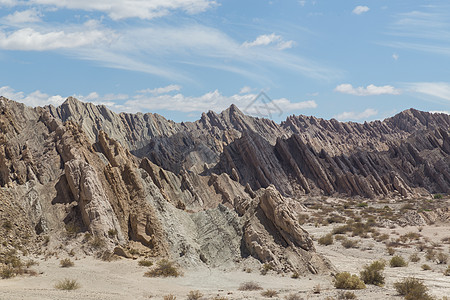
(348, 60)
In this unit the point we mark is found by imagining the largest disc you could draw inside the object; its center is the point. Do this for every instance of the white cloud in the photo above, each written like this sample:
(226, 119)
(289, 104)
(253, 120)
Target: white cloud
(395, 56)
(360, 9)
(286, 45)
(263, 40)
(157, 100)
(122, 9)
(436, 89)
(370, 90)
(245, 90)
(32, 40)
(36, 98)
(351, 115)
(440, 112)
(268, 39)
(20, 17)
(161, 90)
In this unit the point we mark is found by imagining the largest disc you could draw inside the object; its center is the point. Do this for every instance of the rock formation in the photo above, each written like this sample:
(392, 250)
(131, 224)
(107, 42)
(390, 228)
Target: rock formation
(214, 192)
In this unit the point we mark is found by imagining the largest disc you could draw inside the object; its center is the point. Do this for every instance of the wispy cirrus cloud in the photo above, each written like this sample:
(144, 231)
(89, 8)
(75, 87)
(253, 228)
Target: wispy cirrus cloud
(370, 90)
(122, 9)
(439, 90)
(356, 116)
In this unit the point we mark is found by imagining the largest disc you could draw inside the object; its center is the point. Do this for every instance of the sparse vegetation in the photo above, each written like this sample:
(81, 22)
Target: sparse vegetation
(66, 263)
(346, 295)
(412, 289)
(266, 268)
(67, 284)
(269, 293)
(293, 297)
(348, 243)
(373, 273)
(112, 232)
(441, 258)
(347, 281)
(425, 267)
(97, 242)
(397, 261)
(250, 286)
(447, 271)
(145, 263)
(414, 257)
(164, 268)
(438, 196)
(194, 295)
(326, 240)
(170, 297)
(295, 275)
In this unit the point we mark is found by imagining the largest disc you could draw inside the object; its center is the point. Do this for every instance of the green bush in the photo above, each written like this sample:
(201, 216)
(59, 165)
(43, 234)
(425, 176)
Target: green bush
(438, 196)
(425, 267)
(412, 289)
(326, 240)
(414, 257)
(347, 281)
(373, 273)
(397, 261)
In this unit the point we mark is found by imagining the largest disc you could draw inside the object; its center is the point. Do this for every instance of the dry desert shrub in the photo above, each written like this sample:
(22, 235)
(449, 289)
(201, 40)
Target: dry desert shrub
(194, 295)
(326, 240)
(346, 295)
(397, 261)
(66, 263)
(145, 263)
(442, 258)
(412, 289)
(293, 297)
(266, 268)
(269, 293)
(250, 286)
(348, 243)
(414, 257)
(348, 281)
(447, 271)
(164, 268)
(169, 297)
(67, 284)
(425, 267)
(373, 273)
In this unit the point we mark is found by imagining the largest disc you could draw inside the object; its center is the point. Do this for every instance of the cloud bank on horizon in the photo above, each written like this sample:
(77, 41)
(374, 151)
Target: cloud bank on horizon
(355, 61)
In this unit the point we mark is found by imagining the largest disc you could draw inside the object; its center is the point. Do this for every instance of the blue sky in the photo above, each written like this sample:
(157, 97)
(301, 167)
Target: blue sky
(350, 60)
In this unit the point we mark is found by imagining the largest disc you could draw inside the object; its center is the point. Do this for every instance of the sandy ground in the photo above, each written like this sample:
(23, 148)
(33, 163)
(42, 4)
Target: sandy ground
(123, 279)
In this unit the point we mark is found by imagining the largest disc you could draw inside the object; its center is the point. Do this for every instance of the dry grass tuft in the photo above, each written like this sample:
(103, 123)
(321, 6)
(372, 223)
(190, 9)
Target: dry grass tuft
(67, 284)
(66, 263)
(250, 286)
(269, 293)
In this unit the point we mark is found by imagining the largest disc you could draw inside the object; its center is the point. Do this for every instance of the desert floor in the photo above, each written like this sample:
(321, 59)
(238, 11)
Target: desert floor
(123, 279)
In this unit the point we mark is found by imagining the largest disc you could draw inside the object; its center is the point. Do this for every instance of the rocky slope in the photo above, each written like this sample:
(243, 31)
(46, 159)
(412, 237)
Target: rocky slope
(219, 191)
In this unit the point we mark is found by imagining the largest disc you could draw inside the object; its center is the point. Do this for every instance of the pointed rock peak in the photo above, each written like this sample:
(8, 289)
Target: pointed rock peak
(71, 99)
(233, 110)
